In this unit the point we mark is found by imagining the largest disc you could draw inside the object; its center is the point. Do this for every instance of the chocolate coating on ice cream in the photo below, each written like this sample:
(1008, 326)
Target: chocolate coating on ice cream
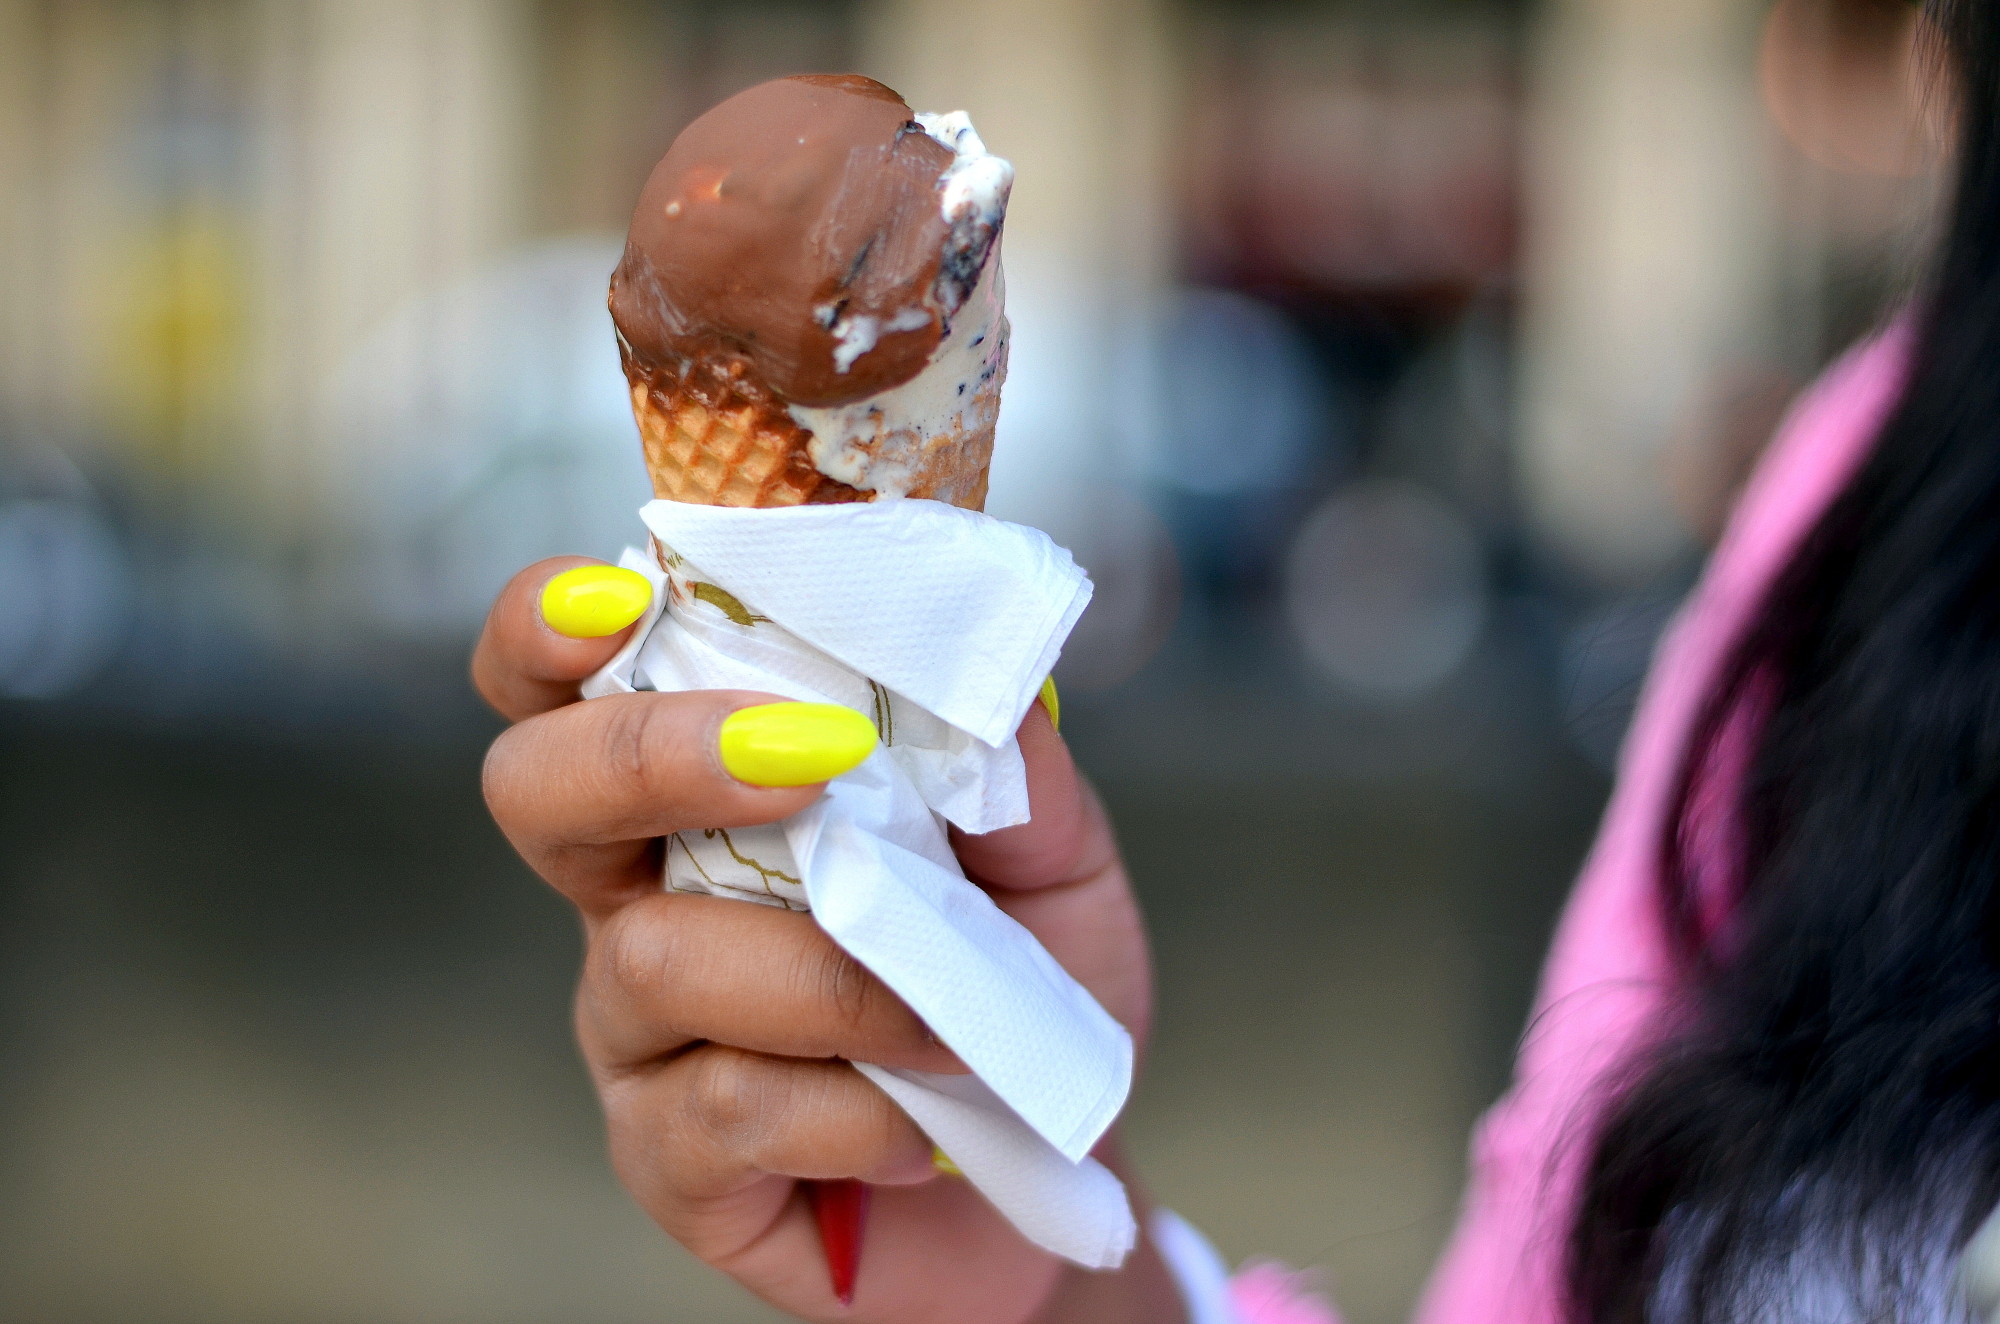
(790, 242)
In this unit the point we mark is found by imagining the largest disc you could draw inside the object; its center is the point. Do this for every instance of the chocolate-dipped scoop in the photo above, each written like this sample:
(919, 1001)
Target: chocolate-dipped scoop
(811, 308)
(796, 230)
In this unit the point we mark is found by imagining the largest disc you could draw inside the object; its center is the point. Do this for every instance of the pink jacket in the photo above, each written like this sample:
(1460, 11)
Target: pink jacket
(1609, 970)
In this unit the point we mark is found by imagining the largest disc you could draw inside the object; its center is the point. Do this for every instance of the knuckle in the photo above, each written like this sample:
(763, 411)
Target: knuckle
(486, 682)
(733, 1097)
(888, 1129)
(857, 1127)
(498, 780)
(844, 986)
(628, 740)
(642, 739)
(632, 954)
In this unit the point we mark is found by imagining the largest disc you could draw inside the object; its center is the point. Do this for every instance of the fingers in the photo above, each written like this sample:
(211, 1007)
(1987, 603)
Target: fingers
(527, 664)
(1066, 840)
(719, 1119)
(1060, 876)
(670, 970)
(583, 792)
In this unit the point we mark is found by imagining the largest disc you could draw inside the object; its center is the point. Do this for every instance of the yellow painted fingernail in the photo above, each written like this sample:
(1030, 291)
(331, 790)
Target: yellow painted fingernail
(592, 601)
(1052, 702)
(942, 1162)
(794, 744)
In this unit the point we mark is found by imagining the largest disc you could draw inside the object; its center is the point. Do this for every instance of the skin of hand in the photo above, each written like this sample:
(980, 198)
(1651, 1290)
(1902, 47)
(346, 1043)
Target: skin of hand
(717, 1033)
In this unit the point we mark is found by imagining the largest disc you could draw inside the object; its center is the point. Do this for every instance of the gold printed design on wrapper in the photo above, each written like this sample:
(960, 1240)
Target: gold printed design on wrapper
(727, 603)
(693, 859)
(763, 893)
(885, 714)
(767, 874)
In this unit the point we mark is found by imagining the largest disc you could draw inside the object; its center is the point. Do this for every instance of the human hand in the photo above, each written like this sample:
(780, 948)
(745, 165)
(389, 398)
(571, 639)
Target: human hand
(718, 1033)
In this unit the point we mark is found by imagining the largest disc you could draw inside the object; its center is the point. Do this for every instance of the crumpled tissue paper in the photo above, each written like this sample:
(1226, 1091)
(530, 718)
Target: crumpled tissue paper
(941, 625)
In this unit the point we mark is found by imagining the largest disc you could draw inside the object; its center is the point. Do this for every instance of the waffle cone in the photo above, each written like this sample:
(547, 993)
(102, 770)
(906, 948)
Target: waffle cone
(738, 451)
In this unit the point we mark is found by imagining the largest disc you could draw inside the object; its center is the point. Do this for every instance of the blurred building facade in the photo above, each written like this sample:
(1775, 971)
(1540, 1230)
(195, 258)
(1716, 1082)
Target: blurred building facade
(313, 287)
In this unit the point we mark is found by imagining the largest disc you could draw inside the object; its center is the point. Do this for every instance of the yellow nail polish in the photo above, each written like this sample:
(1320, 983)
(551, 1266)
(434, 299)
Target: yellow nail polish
(942, 1162)
(1051, 702)
(794, 744)
(592, 601)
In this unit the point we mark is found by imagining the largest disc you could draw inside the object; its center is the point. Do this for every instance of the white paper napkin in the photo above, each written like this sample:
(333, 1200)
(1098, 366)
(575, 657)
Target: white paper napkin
(941, 624)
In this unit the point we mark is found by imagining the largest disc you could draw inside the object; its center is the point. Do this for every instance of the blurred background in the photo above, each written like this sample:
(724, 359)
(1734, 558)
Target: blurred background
(1390, 363)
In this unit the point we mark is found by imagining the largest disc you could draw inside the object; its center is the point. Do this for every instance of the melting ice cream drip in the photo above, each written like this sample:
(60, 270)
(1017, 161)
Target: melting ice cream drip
(972, 197)
(973, 194)
(884, 443)
(855, 335)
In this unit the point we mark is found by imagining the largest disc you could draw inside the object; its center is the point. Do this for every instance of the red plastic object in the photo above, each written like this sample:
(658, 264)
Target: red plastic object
(841, 1210)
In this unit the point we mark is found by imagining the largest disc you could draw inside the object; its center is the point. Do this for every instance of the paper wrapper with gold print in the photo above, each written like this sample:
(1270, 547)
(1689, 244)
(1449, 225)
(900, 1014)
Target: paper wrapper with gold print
(941, 624)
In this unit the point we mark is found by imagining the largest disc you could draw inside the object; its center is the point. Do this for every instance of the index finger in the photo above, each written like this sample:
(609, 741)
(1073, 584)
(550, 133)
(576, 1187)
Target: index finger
(523, 665)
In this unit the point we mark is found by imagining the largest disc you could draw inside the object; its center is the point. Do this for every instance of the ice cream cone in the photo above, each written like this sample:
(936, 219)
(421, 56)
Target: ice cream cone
(810, 308)
(743, 453)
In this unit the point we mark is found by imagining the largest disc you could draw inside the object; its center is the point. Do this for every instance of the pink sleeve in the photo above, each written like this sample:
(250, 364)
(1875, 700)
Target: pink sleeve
(1609, 967)
(1267, 1293)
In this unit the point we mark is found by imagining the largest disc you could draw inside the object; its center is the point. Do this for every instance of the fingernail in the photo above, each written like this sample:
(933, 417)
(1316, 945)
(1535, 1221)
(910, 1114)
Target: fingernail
(592, 601)
(794, 744)
(1052, 702)
(942, 1162)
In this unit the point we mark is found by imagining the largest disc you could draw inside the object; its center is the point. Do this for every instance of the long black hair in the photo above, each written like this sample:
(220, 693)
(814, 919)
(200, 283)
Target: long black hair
(1822, 1118)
